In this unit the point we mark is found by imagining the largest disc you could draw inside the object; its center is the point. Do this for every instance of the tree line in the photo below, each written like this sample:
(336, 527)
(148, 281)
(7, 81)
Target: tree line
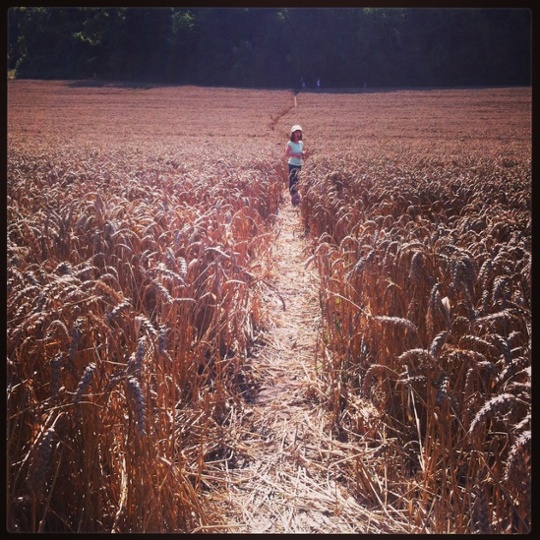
(274, 47)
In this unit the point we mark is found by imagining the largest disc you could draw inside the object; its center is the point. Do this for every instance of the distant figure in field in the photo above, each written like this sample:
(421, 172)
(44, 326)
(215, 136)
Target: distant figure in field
(295, 155)
(318, 83)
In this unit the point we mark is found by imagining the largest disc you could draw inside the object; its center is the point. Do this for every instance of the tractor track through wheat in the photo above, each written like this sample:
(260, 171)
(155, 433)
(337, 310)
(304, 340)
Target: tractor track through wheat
(276, 119)
(288, 482)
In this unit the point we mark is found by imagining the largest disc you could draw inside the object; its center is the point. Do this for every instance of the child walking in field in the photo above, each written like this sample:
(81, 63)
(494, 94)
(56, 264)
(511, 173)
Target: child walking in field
(295, 155)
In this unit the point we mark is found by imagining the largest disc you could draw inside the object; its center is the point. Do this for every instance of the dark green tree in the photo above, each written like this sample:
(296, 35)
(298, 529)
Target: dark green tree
(44, 41)
(274, 47)
(103, 34)
(181, 61)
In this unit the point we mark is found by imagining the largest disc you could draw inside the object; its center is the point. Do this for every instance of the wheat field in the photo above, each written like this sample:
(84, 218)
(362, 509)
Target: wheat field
(139, 246)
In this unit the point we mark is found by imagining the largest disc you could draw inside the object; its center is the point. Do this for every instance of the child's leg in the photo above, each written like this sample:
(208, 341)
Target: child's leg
(293, 178)
(293, 189)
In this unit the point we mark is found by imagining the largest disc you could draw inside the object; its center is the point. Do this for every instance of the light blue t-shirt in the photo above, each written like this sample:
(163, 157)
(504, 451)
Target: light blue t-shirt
(296, 148)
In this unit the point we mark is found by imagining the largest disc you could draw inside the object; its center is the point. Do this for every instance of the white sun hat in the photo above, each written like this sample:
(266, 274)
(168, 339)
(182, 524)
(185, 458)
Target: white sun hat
(296, 128)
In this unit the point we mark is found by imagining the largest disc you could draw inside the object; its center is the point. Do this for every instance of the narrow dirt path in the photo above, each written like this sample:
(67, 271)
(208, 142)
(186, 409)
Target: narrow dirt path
(288, 482)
